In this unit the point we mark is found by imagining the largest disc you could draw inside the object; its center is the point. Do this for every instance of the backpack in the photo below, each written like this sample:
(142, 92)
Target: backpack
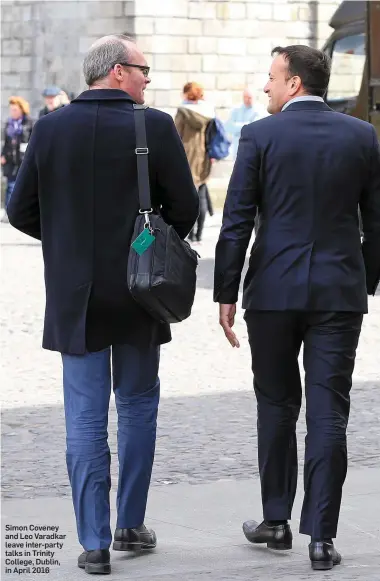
(217, 144)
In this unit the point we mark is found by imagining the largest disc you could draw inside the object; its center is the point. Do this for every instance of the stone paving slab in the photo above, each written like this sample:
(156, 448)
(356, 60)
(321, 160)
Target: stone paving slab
(200, 439)
(200, 538)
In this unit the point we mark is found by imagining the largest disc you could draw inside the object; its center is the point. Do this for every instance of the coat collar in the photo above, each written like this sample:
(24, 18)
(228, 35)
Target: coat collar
(104, 95)
(307, 106)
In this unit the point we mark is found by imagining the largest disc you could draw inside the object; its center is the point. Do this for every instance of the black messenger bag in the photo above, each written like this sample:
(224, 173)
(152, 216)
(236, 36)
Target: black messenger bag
(161, 267)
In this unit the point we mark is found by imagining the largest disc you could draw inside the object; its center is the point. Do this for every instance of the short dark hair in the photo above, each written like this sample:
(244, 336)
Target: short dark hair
(311, 65)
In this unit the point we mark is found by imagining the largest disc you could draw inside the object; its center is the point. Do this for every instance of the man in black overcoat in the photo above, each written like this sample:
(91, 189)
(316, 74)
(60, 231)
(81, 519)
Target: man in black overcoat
(77, 192)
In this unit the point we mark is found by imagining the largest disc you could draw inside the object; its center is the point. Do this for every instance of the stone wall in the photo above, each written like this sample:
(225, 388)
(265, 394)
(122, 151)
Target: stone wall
(43, 42)
(223, 44)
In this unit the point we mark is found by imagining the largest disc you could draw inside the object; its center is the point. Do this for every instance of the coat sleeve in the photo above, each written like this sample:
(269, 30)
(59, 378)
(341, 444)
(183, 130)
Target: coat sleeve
(30, 129)
(238, 220)
(5, 151)
(178, 121)
(370, 211)
(23, 208)
(4, 142)
(179, 197)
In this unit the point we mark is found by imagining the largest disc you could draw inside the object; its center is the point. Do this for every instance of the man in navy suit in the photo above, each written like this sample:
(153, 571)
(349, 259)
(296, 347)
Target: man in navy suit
(305, 170)
(77, 192)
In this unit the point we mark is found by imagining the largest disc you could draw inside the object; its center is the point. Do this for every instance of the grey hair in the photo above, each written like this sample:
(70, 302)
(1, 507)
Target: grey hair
(103, 55)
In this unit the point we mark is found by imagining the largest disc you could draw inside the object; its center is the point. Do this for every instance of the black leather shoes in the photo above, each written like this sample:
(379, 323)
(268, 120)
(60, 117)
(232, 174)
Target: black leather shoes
(95, 562)
(136, 539)
(323, 556)
(277, 537)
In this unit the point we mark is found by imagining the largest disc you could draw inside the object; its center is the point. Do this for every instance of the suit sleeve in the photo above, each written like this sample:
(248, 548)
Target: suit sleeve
(23, 208)
(238, 220)
(370, 211)
(180, 201)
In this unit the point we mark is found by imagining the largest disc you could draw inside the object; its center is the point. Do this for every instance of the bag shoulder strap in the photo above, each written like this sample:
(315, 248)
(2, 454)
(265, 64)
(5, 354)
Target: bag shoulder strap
(142, 152)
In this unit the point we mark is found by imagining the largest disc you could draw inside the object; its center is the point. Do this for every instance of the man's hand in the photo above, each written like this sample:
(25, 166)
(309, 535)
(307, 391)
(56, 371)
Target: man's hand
(3, 160)
(226, 320)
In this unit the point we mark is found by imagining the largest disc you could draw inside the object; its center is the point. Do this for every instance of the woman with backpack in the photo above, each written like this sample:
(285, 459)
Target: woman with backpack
(192, 120)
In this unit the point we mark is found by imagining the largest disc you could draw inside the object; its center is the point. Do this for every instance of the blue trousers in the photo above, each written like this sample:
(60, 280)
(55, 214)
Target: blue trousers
(87, 383)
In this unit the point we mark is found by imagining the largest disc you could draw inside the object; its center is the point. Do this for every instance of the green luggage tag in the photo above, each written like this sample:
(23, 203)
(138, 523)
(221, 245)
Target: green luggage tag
(143, 241)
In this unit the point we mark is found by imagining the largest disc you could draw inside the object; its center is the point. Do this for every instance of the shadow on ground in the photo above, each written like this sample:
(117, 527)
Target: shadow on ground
(200, 439)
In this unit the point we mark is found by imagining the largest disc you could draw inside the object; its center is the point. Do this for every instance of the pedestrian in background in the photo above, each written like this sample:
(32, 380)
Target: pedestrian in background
(54, 99)
(77, 192)
(17, 131)
(68, 96)
(306, 169)
(246, 113)
(191, 120)
(63, 98)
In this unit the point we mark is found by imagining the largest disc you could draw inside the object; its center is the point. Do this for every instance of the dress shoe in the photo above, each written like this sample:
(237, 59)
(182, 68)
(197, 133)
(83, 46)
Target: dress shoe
(277, 537)
(136, 539)
(323, 556)
(95, 562)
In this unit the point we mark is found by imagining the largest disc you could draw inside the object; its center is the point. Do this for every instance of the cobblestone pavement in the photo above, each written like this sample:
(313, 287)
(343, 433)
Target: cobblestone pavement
(207, 419)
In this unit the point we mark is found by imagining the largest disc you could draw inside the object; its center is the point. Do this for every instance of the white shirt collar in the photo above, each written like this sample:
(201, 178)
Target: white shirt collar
(303, 98)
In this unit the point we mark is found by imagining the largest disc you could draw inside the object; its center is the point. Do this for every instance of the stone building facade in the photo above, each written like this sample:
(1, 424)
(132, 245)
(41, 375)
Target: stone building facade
(223, 44)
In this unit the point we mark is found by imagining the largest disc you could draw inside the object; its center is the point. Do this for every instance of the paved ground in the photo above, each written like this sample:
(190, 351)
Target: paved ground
(200, 538)
(207, 413)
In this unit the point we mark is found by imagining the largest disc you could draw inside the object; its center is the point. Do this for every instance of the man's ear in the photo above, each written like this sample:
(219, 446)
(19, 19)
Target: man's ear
(117, 71)
(295, 85)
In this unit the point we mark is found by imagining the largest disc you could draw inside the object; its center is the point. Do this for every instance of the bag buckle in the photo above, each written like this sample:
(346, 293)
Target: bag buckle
(141, 151)
(147, 221)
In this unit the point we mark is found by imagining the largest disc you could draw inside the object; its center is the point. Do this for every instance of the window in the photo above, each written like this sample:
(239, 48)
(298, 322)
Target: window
(348, 60)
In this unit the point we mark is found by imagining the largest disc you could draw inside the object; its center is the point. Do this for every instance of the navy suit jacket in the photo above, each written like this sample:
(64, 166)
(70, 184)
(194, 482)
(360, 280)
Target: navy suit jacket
(77, 192)
(306, 171)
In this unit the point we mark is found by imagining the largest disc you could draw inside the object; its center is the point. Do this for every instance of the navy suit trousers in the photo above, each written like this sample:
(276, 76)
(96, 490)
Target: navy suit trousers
(330, 340)
(87, 381)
